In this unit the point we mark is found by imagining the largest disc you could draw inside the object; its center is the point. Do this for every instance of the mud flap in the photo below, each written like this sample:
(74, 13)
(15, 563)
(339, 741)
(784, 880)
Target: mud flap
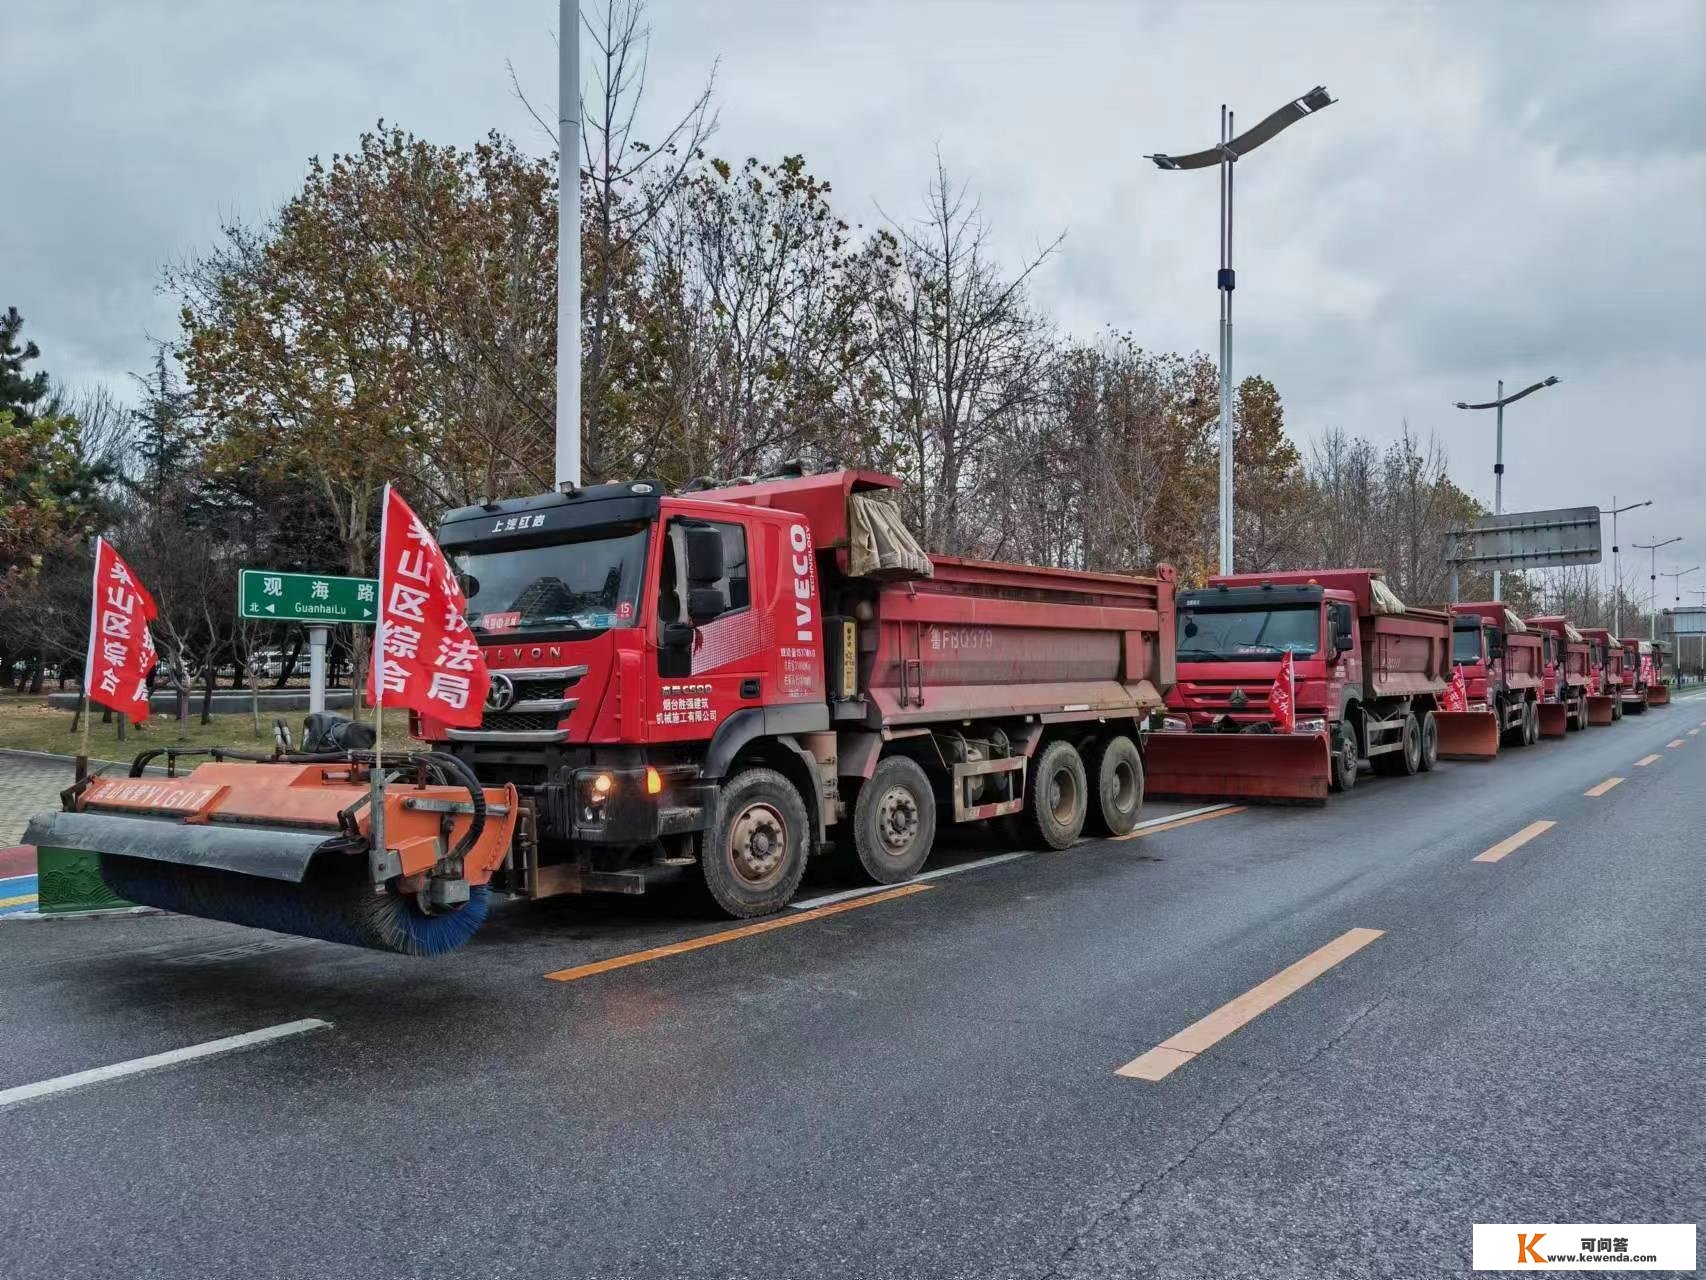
(1262, 767)
(1468, 735)
(255, 851)
(1601, 708)
(1658, 695)
(1554, 720)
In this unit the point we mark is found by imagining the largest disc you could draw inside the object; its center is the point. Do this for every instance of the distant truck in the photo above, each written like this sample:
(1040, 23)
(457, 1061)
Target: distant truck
(1500, 659)
(1637, 671)
(1605, 693)
(1658, 687)
(1369, 674)
(1568, 672)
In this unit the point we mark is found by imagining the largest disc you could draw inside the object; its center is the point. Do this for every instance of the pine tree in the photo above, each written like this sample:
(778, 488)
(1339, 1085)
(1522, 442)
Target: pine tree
(18, 391)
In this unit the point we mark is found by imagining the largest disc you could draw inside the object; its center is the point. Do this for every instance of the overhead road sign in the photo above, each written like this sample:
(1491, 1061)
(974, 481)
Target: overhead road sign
(306, 597)
(1688, 621)
(1527, 540)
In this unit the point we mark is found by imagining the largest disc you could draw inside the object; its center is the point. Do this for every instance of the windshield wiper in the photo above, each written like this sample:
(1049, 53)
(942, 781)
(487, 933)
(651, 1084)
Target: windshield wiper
(1194, 655)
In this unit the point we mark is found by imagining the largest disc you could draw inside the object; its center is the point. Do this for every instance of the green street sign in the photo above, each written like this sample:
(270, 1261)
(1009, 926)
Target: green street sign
(305, 597)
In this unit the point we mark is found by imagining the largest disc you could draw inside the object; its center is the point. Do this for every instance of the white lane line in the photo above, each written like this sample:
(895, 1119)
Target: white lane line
(154, 1062)
(806, 904)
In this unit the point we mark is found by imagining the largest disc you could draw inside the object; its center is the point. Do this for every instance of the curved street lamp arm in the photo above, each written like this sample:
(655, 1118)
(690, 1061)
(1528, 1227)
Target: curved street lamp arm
(1250, 139)
(1511, 399)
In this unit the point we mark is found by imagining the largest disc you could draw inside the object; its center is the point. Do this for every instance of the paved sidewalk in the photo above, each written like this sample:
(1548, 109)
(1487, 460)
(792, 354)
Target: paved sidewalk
(27, 787)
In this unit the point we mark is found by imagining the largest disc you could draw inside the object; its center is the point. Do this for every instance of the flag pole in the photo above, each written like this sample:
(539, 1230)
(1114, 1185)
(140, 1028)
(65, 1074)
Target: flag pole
(82, 765)
(376, 776)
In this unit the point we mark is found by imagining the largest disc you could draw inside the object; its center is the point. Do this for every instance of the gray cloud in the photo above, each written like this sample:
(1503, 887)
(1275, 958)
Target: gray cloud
(1503, 190)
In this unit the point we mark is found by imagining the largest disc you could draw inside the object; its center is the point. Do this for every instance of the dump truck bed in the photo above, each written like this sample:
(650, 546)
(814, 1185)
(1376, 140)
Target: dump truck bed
(986, 640)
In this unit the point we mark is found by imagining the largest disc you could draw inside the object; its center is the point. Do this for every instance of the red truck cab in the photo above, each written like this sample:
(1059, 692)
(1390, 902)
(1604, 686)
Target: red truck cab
(1568, 673)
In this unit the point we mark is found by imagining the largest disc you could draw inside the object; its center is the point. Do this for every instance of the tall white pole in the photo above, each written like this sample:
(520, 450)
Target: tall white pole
(1224, 281)
(568, 243)
(1616, 578)
(1499, 481)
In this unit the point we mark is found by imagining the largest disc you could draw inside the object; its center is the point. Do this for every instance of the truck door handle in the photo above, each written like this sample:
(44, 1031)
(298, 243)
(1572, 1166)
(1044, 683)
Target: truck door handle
(749, 688)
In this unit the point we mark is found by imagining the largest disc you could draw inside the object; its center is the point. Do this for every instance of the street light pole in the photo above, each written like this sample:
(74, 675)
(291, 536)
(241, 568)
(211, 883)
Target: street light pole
(1616, 575)
(568, 468)
(1653, 580)
(1499, 454)
(1230, 149)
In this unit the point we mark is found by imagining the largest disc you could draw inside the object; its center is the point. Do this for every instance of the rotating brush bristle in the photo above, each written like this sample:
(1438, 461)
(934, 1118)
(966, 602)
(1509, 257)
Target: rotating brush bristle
(351, 913)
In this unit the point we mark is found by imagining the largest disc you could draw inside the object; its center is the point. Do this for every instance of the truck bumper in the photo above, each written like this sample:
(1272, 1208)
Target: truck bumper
(613, 807)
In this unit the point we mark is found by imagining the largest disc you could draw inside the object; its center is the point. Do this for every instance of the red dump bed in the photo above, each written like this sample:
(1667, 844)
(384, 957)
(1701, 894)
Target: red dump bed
(1404, 654)
(1578, 654)
(1523, 666)
(1611, 648)
(982, 639)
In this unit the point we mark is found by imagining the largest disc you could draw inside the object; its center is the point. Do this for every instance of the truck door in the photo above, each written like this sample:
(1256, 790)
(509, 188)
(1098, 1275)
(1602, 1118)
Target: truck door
(711, 641)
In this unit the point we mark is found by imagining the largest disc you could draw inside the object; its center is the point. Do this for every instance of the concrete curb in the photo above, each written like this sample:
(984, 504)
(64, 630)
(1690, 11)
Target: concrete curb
(53, 757)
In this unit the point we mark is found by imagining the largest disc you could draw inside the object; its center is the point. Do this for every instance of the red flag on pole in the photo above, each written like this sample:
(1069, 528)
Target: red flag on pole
(1456, 696)
(121, 650)
(1282, 699)
(424, 655)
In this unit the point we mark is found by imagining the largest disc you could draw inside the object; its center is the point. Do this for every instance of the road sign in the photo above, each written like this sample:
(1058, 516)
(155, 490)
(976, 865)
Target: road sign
(1527, 540)
(305, 597)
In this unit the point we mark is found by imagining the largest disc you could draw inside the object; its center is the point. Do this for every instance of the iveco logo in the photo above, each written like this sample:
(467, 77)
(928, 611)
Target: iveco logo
(501, 693)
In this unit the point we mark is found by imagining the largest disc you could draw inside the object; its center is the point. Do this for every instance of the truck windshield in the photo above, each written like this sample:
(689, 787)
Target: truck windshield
(587, 583)
(1227, 635)
(1466, 644)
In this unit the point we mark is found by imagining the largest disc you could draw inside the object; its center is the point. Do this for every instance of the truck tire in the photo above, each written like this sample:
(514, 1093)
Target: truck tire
(1345, 760)
(1516, 734)
(1115, 769)
(1057, 796)
(1409, 761)
(894, 820)
(753, 850)
(1616, 708)
(1530, 723)
(1430, 742)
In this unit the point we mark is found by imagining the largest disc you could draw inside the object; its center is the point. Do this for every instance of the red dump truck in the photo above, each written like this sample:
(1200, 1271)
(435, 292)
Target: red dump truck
(728, 679)
(1369, 673)
(1605, 686)
(1658, 685)
(1568, 662)
(1501, 665)
(1637, 674)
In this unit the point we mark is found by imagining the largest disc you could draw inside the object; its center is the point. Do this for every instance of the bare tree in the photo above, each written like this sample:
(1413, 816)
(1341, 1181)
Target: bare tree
(962, 352)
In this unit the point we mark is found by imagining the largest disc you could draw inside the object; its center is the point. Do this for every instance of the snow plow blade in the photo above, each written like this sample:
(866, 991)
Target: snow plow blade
(1658, 695)
(1274, 768)
(1554, 720)
(1601, 708)
(1468, 735)
(287, 845)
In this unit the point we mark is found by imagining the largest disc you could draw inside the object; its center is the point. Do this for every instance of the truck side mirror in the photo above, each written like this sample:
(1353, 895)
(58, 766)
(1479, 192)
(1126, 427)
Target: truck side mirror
(704, 556)
(677, 636)
(705, 603)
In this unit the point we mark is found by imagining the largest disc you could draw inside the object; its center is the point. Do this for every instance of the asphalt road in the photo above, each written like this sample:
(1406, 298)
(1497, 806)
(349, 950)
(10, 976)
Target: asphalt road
(924, 1085)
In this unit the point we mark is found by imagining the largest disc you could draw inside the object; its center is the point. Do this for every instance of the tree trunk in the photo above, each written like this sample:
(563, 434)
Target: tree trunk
(288, 667)
(208, 679)
(38, 668)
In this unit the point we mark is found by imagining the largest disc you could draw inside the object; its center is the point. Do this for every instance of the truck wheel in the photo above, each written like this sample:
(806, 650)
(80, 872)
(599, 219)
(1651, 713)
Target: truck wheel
(1409, 760)
(1344, 758)
(894, 821)
(1430, 741)
(1513, 735)
(753, 850)
(1117, 771)
(1057, 797)
(1616, 708)
(1530, 724)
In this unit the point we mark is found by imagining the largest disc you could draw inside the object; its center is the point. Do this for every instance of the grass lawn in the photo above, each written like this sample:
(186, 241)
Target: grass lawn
(29, 724)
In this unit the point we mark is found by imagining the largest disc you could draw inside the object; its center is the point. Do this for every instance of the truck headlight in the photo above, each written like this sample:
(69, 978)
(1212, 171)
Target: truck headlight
(1172, 724)
(1316, 725)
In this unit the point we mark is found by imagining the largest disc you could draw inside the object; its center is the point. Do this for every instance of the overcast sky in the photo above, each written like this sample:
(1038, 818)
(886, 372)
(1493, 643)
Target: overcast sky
(1503, 190)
